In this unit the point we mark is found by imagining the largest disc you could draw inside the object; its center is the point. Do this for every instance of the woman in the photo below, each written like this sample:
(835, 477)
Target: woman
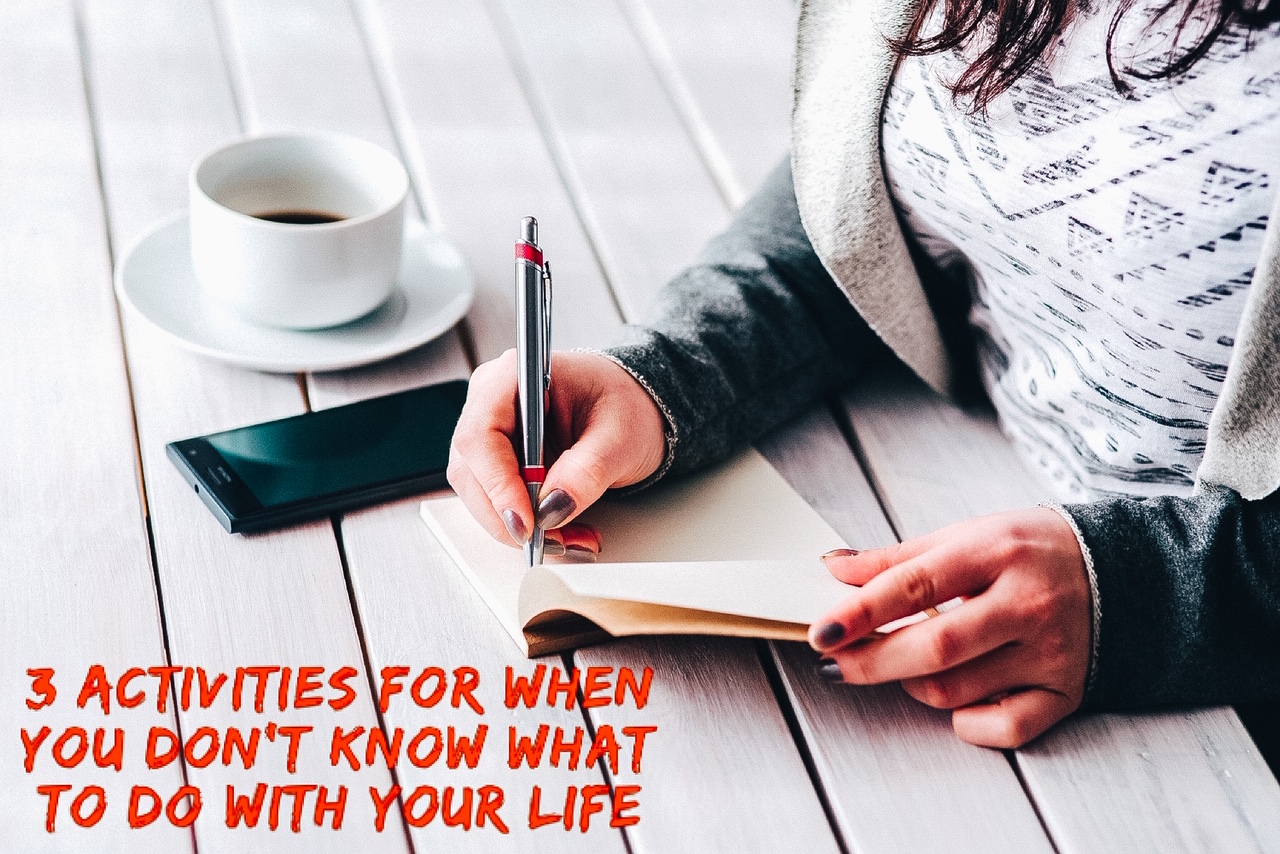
(1075, 218)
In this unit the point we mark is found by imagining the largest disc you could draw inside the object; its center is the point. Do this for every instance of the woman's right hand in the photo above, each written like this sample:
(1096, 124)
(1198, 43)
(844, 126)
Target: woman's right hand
(604, 431)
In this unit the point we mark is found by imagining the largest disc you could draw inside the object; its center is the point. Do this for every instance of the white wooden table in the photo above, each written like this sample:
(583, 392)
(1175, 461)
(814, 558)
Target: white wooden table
(631, 128)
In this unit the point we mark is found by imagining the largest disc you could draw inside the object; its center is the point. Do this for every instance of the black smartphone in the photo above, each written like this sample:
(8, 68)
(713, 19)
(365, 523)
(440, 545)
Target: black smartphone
(294, 469)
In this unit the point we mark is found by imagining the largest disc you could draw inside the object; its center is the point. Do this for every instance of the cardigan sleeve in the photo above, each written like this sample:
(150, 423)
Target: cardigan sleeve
(1189, 590)
(748, 337)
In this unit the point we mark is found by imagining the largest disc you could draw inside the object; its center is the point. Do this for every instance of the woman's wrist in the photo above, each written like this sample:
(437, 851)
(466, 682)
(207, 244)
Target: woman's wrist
(669, 433)
(1094, 596)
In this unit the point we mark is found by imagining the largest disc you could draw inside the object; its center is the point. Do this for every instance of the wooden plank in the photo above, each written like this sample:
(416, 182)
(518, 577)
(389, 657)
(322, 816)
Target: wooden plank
(883, 759)
(1169, 781)
(933, 486)
(648, 203)
(302, 66)
(1186, 781)
(477, 155)
(76, 565)
(438, 361)
(812, 454)
(731, 84)
(162, 97)
(720, 772)
(400, 578)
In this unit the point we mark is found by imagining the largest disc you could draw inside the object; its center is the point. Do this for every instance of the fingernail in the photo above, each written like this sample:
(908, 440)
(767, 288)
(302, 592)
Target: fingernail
(551, 548)
(841, 553)
(579, 554)
(828, 635)
(830, 671)
(554, 509)
(515, 526)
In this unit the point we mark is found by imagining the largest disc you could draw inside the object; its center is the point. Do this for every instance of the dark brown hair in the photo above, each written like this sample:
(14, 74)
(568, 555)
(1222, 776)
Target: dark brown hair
(1008, 37)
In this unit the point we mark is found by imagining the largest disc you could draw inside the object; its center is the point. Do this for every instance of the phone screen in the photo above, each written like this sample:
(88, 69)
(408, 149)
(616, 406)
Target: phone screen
(307, 465)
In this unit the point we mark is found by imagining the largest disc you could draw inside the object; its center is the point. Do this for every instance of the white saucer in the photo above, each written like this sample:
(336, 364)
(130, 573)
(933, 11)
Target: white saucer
(156, 282)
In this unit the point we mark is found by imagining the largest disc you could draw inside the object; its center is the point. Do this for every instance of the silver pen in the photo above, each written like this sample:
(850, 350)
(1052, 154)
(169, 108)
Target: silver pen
(533, 355)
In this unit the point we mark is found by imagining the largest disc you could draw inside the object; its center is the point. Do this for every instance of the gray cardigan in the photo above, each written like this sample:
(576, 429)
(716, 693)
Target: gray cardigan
(777, 314)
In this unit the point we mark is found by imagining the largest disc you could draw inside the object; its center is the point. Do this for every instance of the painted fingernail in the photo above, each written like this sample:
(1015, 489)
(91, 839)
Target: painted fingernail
(579, 554)
(515, 526)
(551, 548)
(828, 635)
(841, 553)
(830, 671)
(554, 509)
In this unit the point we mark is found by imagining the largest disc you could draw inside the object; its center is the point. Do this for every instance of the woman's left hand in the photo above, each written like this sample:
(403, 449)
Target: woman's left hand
(1010, 661)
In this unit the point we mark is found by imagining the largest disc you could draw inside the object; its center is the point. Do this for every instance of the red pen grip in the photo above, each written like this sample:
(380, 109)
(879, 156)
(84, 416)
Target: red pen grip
(528, 252)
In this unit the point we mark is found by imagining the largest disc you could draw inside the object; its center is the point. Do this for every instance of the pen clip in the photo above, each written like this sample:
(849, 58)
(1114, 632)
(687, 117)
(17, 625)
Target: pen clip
(546, 323)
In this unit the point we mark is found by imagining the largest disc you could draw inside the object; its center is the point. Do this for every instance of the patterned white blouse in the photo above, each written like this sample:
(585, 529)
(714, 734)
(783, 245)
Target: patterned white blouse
(1108, 240)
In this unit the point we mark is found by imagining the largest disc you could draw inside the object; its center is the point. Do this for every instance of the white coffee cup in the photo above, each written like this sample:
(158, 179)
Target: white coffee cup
(298, 275)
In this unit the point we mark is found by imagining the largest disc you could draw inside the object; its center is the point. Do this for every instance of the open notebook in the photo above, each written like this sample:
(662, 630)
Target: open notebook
(733, 551)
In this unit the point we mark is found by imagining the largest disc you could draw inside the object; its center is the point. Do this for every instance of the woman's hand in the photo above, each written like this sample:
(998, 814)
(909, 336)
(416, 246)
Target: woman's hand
(1010, 661)
(603, 431)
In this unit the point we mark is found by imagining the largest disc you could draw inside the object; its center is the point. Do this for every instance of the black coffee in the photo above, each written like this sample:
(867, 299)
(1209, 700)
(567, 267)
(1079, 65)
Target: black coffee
(300, 217)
